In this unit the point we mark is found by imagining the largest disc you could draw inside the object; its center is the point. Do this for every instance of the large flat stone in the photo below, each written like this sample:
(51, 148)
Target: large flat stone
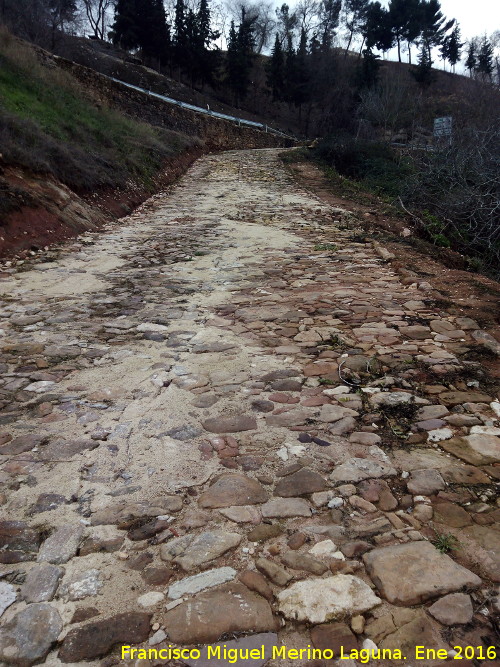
(18, 542)
(80, 585)
(65, 449)
(485, 339)
(333, 413)
(419, 631)
(233, 424)
(481, 546)
(200, 582)
(233, 489)
(273, 571)
(23, 443)
(453, 609)
(290, 418)
(190, 551)
(431, 412)
(334, 636)
(391, 399)
(451, 514)
(298, 561)
(356, 470)
(232, 608)
(28, 637)
(41, 582)
(464, 474)
(408, 574)
(302, 482)
(478, 450)
(458, 397)
(8, 596)
(286, 507)
(242, 514)
(319, 600)
(61, 545)
(425, 482)
(98, 638)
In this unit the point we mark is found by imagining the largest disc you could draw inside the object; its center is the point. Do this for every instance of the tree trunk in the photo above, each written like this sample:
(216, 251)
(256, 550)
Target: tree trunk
(409, 52)
(399, 49)
(361, 49)
(348, 45)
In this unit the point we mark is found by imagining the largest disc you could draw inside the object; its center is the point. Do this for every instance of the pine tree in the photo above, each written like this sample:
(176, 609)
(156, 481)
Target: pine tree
(153, 32)
(471, 61)
(368, 71)
(232, 57)
(405, 22)
(276, 70)
(142, 24)
(485, 58)
(329, 17)
(287, 22)
(423, 71)
(205, 33)
(356, 11)
(453, 47)
(124, 30)
(444, 51)
(377, 29)
(290, 71)
(205, 56)
(434, 24)
(301, 88)
(180, 44)
(413, 26)
(188, 64)
(240, 55)
(60, 12)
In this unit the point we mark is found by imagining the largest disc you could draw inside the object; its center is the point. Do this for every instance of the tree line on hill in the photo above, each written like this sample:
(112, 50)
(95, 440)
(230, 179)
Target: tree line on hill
(182, 37)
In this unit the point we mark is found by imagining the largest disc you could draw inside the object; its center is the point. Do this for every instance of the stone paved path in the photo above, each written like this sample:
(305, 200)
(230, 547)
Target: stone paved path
(228, 415)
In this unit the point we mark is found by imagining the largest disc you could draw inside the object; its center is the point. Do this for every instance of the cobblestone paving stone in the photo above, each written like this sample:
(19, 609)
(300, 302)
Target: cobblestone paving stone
(233, 380)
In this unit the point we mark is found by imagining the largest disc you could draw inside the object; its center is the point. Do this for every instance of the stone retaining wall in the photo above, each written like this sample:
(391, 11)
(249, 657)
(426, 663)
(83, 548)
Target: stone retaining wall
(216, 134)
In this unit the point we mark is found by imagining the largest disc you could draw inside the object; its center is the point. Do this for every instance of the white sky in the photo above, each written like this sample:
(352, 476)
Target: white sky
(475, 16)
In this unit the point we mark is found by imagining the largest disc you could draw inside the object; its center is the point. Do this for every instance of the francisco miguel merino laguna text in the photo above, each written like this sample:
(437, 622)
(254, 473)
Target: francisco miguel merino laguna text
(233, 655)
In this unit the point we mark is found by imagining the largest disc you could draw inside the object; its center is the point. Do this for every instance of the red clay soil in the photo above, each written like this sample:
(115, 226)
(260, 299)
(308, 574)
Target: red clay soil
(47, 212)
(32, 228)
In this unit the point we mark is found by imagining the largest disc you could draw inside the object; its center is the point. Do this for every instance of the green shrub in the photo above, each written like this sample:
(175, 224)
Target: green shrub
(374, 164)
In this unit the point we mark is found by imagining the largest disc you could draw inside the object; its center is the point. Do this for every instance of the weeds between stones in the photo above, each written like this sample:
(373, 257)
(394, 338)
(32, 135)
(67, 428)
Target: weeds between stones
(325, 246)
(445, 542)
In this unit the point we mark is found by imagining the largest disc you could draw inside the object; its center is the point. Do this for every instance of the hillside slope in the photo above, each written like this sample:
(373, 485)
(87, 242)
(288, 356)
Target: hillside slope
(74, 156)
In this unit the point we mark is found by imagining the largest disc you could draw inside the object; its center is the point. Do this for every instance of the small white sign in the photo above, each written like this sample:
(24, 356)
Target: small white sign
(443, 126)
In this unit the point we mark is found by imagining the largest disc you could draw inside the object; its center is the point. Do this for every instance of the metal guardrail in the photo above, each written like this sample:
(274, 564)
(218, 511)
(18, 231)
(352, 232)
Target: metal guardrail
(207, 112)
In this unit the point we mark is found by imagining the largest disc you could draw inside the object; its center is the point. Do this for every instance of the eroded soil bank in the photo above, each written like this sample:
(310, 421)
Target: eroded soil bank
(229, 416)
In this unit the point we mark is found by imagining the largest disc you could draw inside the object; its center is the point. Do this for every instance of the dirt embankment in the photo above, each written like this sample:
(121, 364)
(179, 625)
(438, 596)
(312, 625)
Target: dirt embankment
(37, 210)
(43, 211)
